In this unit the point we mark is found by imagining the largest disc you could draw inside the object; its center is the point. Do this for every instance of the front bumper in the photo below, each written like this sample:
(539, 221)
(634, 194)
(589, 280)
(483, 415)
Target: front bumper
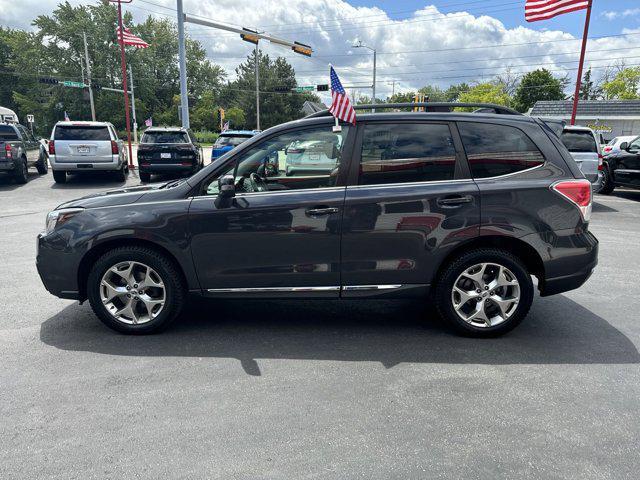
(57, 268)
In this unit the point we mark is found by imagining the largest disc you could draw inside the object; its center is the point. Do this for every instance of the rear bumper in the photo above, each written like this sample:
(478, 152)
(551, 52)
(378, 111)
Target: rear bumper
(581, 265)
(165, 167)
(7, 165)
(86, 164)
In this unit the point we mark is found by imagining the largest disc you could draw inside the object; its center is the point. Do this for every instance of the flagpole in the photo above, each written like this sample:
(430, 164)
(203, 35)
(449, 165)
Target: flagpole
(336, 118)
(123, 64)
(583, 52)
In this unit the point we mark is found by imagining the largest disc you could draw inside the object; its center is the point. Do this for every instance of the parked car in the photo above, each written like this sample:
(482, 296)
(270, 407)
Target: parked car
(584, 146)
(314, 156)
(488, 201)
(77, 147)
(19, 150)
(168, 150)
(614, 145)
(622, 168)
(230, 139)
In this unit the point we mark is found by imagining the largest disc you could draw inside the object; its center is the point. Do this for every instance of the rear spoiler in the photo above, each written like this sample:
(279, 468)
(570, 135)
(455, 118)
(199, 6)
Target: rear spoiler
(556, 126)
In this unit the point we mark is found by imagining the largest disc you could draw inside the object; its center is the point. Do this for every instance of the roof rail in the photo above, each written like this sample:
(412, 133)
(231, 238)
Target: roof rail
(431, 107)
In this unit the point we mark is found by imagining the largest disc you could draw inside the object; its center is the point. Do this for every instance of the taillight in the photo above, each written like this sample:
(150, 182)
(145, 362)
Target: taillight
(607, 149)
(114, 148)
(8, 151)
(600, 164)
(577, 192)
(52, 147)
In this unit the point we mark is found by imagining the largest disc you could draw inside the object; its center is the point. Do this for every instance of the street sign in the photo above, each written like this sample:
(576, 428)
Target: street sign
(306, 88)
(30, 118)
(69, 83)
(322, 88)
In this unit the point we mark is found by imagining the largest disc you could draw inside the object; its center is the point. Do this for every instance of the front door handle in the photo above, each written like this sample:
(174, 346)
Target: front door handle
(321, 211)
(453, 201)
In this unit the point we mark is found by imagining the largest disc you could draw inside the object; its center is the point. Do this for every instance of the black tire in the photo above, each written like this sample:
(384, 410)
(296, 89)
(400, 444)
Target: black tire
(121, 175)
(21, 171)
(60, 176)
(42, 165)
(175, 290)
(145, 177)
(607, 182)
(451, 272)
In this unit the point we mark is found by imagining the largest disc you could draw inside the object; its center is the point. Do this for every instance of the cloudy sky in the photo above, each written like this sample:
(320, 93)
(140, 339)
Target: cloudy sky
(438, 42)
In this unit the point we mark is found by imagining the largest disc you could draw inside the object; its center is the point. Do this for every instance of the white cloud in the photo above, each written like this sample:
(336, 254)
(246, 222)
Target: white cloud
(615, 14)
(425, 47)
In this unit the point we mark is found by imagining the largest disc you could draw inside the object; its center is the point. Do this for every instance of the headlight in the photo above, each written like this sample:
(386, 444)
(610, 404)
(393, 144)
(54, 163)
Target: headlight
(58, 217)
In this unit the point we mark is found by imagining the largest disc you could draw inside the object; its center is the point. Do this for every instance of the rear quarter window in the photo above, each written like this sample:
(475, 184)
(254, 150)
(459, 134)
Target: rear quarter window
(495, 150)
(577, 141)
(83, 133)
(8, 133)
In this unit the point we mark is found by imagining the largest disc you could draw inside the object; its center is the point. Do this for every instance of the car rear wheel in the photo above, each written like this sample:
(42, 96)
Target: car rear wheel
(21, 172)
(60, 176)
(42, 165)
(135, 290)
(145, 177)
(484, 293)
(121, 176)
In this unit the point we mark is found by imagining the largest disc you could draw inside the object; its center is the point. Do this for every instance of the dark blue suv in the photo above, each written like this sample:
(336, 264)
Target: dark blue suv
(459, 209)
(228, 140)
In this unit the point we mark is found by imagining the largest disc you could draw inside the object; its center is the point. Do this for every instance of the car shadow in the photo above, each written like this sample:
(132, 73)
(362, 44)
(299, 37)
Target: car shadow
(7, 183)
(558, 331)
(628, 194)
(599, 207)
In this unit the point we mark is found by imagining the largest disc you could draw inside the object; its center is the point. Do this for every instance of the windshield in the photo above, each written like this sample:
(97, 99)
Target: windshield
(84, 132)
(230, 141)
(165, 137)
(7, 133)
(579, 141)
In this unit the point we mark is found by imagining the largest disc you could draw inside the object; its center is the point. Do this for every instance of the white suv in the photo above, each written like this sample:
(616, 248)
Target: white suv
(86, 146)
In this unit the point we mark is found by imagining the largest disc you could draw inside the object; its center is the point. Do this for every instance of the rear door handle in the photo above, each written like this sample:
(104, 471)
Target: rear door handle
(454, 200)
(321, 211)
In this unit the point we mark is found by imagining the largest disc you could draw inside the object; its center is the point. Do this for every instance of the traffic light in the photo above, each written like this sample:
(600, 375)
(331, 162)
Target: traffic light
(281, 89)
(322, 88)
(48, 80)
(250, 36)
(96, 87)
(302, 49)
(221, 113)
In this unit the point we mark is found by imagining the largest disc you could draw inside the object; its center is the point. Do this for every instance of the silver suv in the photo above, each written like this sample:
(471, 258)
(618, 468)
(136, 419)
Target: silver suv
(86, 146)
(584, 146)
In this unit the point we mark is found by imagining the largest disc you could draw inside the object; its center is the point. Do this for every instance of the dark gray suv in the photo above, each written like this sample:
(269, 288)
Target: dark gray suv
(460, 209)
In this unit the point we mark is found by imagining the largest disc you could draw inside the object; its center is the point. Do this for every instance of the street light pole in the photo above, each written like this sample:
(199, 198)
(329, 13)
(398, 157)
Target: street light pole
(257, 88)
(182, 54)
(86, 59)
(373, 86)
(133, 108)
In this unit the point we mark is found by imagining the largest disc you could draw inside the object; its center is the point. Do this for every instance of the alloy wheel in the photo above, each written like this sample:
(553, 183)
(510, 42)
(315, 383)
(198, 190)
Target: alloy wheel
(132, 292)
(485, 295)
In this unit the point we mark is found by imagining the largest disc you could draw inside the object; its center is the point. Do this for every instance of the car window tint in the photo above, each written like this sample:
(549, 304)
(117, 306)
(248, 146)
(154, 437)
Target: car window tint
(165, 137)
(8, 133)
(300, 159)
(579, 141)
(230, 141)
(97, 133)
(401, 153)
(494, 150)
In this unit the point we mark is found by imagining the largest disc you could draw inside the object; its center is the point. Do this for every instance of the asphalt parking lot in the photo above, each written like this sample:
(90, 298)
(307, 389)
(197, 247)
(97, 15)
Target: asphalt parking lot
(314, 389)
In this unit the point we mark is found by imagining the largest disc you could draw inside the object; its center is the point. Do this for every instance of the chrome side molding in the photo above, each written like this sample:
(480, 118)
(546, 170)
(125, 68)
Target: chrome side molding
(361, 288)
(347, 288)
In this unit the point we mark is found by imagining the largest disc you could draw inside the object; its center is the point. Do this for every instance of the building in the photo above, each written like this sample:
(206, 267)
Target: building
(610, 118)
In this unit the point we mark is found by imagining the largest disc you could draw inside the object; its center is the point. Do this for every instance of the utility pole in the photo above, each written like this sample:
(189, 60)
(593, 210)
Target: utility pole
(86, 59)
(393, 87)
(373, 86)
(257, 88)
(133, 109)
(182, 55)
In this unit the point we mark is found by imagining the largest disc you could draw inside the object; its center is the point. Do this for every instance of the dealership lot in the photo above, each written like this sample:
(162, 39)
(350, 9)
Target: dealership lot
(312, 389)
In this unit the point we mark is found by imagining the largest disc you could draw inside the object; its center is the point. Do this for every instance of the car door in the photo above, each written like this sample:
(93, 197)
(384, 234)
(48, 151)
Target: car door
(31, 145)
(627, 171)
(279, 235)
(409, 202)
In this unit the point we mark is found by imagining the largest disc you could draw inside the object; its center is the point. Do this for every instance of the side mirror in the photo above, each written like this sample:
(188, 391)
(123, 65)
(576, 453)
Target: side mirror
(226, 186)
(624, 145)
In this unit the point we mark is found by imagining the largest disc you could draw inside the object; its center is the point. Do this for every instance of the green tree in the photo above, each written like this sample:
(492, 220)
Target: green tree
(452, 94)
(236, 117)
(625, 85)
(486, 93)
(537, 85)
(588, 88)
(435, 93)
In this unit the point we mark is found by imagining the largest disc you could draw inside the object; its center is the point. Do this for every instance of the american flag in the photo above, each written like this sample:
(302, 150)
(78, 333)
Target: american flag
(149, 122)
(535, 10)
(340, 104)
(129, 38)
(225, 127)
(66, 117)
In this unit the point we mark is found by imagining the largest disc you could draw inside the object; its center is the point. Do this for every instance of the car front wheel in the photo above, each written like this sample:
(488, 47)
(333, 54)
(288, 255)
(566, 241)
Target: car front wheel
(484, 293)
(135, 290)
(607, 182)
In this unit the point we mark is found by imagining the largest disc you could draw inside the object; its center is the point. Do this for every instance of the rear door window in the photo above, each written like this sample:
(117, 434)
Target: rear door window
(495, 150)
(8, 133)
(165, 137)
(406, 152)
(577, 141)
(83, 133)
